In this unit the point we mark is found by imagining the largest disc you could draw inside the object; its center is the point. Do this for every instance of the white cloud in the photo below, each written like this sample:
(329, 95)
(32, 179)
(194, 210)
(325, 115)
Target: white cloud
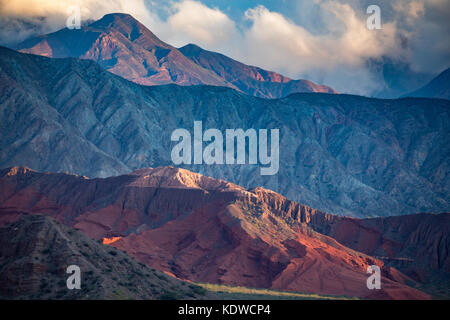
(90, 9)
(30, 17)
(277, 43)
(194, 22)
(426, 26)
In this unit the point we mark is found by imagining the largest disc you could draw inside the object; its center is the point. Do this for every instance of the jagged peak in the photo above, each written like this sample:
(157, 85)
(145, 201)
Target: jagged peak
(18, 170)
(173, 177)
(127, 25)
(191, 48)
(112, 19)
(262, 189)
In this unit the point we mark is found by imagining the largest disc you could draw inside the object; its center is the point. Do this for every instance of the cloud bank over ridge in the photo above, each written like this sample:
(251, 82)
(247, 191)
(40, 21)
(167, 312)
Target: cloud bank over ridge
(322, 40)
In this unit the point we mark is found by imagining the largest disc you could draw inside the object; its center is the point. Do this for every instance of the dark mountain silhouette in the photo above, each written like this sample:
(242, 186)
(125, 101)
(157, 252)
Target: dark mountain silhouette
(439, 87)
(123, 46)
(338, 153)
(36, 250)
(208, 230)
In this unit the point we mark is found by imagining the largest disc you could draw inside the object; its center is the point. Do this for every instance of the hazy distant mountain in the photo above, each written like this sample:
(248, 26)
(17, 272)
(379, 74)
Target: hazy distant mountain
(342, 154)
(208, 230)
(395, 78)
(439, 87)
(36, 251)
(251, 80)
(125, 47)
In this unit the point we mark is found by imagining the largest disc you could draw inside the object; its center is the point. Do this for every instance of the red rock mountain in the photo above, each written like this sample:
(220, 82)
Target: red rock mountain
(249, 79)
(203, 229)
(125, 47)
(418, 244)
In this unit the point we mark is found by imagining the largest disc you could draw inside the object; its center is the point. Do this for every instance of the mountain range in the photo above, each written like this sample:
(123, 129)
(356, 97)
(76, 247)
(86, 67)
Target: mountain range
(124, 46)
(342, 154)
(207, 230)
(361, 181)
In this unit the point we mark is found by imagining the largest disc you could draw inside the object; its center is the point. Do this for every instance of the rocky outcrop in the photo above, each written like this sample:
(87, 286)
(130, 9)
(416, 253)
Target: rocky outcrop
(416, 244)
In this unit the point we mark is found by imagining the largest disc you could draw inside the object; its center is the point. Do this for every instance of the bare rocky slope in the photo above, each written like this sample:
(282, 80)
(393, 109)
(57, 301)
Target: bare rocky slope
(36, 250)
(249, 79)
(342, 154)
(124, 46)
(207, 230)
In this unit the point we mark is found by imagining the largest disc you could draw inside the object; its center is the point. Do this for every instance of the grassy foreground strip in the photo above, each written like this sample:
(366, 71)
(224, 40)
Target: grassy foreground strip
(269, 294)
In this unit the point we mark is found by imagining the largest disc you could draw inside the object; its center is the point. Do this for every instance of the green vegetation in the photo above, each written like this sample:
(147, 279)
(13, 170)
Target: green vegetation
(198, 290)
(237, 292)
(169, 295)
